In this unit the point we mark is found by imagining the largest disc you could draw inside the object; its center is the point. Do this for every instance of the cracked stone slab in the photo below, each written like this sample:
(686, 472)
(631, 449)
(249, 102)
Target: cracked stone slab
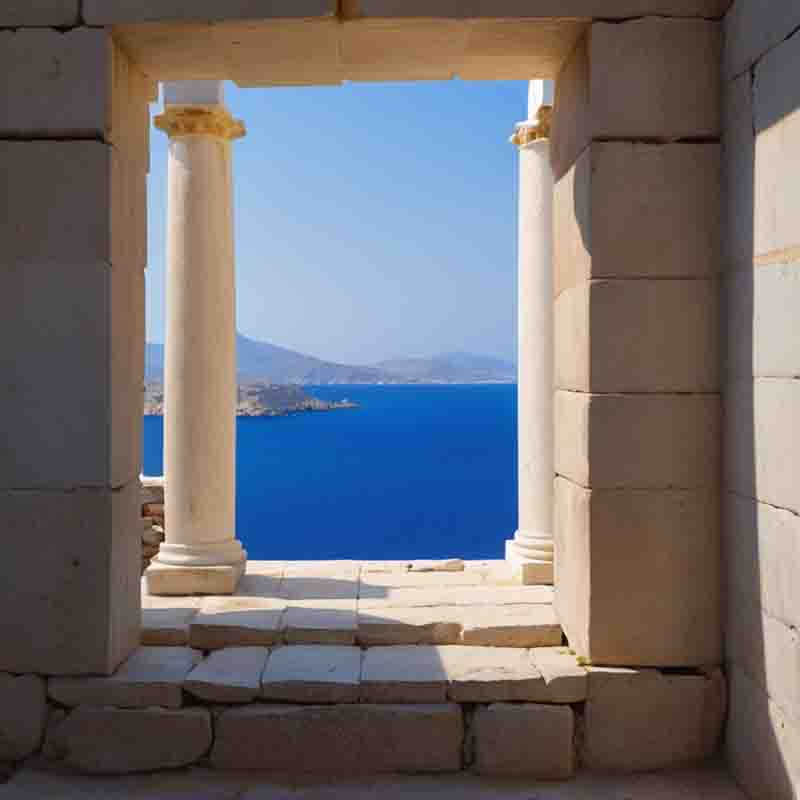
(320, 622)
(567, 681)
(152, 676)
(312, 674)
(403, 674)
(236, 622)
(534, 625)
(491, 675)
(372, 597)
(409, 626)
(231, 675)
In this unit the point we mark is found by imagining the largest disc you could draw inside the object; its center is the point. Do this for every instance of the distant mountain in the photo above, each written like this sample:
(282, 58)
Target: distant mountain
(452, 368)
(265, 361)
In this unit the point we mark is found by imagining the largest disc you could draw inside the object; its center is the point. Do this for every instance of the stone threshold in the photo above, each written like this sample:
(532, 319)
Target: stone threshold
(478, 603)
(330, 710)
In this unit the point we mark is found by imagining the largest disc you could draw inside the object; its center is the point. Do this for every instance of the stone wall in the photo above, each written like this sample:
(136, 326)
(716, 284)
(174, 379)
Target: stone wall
(74, 128)
(636, 158)
(761, 445)
(152, 519)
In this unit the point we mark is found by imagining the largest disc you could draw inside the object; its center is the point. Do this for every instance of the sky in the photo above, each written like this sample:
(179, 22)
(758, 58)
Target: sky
(372, 221)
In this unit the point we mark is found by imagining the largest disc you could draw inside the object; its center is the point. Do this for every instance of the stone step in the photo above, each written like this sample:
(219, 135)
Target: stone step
(339, 709)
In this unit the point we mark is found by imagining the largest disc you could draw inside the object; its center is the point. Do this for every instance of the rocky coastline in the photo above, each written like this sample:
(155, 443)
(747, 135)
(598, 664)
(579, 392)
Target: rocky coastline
(257, 399)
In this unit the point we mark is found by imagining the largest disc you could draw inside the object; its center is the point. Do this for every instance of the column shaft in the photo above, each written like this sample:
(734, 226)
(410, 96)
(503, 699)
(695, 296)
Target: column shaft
(531, 551)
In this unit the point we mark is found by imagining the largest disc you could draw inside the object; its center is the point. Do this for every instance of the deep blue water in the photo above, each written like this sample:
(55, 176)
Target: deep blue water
(415, 472)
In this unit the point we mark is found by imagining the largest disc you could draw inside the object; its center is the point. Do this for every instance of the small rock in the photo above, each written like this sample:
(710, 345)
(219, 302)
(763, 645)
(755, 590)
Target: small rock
(445, 565)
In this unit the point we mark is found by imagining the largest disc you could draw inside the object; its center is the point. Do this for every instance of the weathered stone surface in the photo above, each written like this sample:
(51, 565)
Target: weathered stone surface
(166, 579)
(71, 100)
(751, 30)
(403, 674)
(388, 597)
(529, 739)
(571, 126)
(762, 742)
(80, 552)
(520, 9)
(762, 550)
(60, 296)
(565, 679)
(776, 100)
(110, 12)
(523, 625)
(44, 13)
(230, 622)
(491, 674)
(638, 336)
(340, 739)
(152, 676)
(334, 623)
(638, 578)
(738, 176)
(638, 441)
(655, 78)
(232, 675)
(117, 741)
(319, 587)
(312, 674)
(23, 714)
(633, 210)
(642, 719)
(437, 625)
(762, 436)
(165, 620)
(655, 210)
(572, 207)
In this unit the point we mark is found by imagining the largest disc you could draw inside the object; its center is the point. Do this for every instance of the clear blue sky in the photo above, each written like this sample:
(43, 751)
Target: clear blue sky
(372, 220)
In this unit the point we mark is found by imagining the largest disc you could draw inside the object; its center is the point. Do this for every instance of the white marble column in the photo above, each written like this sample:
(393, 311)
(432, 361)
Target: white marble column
(201, 554)
(531, 550)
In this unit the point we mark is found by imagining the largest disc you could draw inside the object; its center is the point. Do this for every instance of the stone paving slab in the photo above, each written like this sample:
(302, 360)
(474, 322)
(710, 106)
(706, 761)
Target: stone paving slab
(152, 676)
(376, 597)
(534, 625)
(319, 587)
(491, 674)
(335, 623)
(167, 626)
(567, 681)
(232, 675)
(703, 783)
(392, 626)
(236, 621)
(312, 674)
(403, 674)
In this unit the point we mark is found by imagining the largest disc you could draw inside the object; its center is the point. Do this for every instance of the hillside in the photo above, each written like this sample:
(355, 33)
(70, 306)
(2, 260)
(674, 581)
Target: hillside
(262, 361)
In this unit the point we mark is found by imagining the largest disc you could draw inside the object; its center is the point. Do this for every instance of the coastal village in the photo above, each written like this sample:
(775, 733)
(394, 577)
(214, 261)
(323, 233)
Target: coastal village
(639, 637)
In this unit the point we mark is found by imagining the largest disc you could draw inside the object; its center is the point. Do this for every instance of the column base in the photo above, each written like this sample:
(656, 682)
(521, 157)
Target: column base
(169, 579)
(530, 571)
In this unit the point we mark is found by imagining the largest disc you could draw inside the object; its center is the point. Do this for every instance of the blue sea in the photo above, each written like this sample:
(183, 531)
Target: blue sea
(414, 472)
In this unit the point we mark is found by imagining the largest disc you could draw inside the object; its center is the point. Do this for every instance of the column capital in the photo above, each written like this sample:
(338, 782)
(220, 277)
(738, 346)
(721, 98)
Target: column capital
(533, 130)
(200, 120)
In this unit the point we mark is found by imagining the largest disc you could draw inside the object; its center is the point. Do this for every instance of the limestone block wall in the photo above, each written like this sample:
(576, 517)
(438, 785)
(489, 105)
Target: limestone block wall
(761, 443)
(74, 157)
(636, 157)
